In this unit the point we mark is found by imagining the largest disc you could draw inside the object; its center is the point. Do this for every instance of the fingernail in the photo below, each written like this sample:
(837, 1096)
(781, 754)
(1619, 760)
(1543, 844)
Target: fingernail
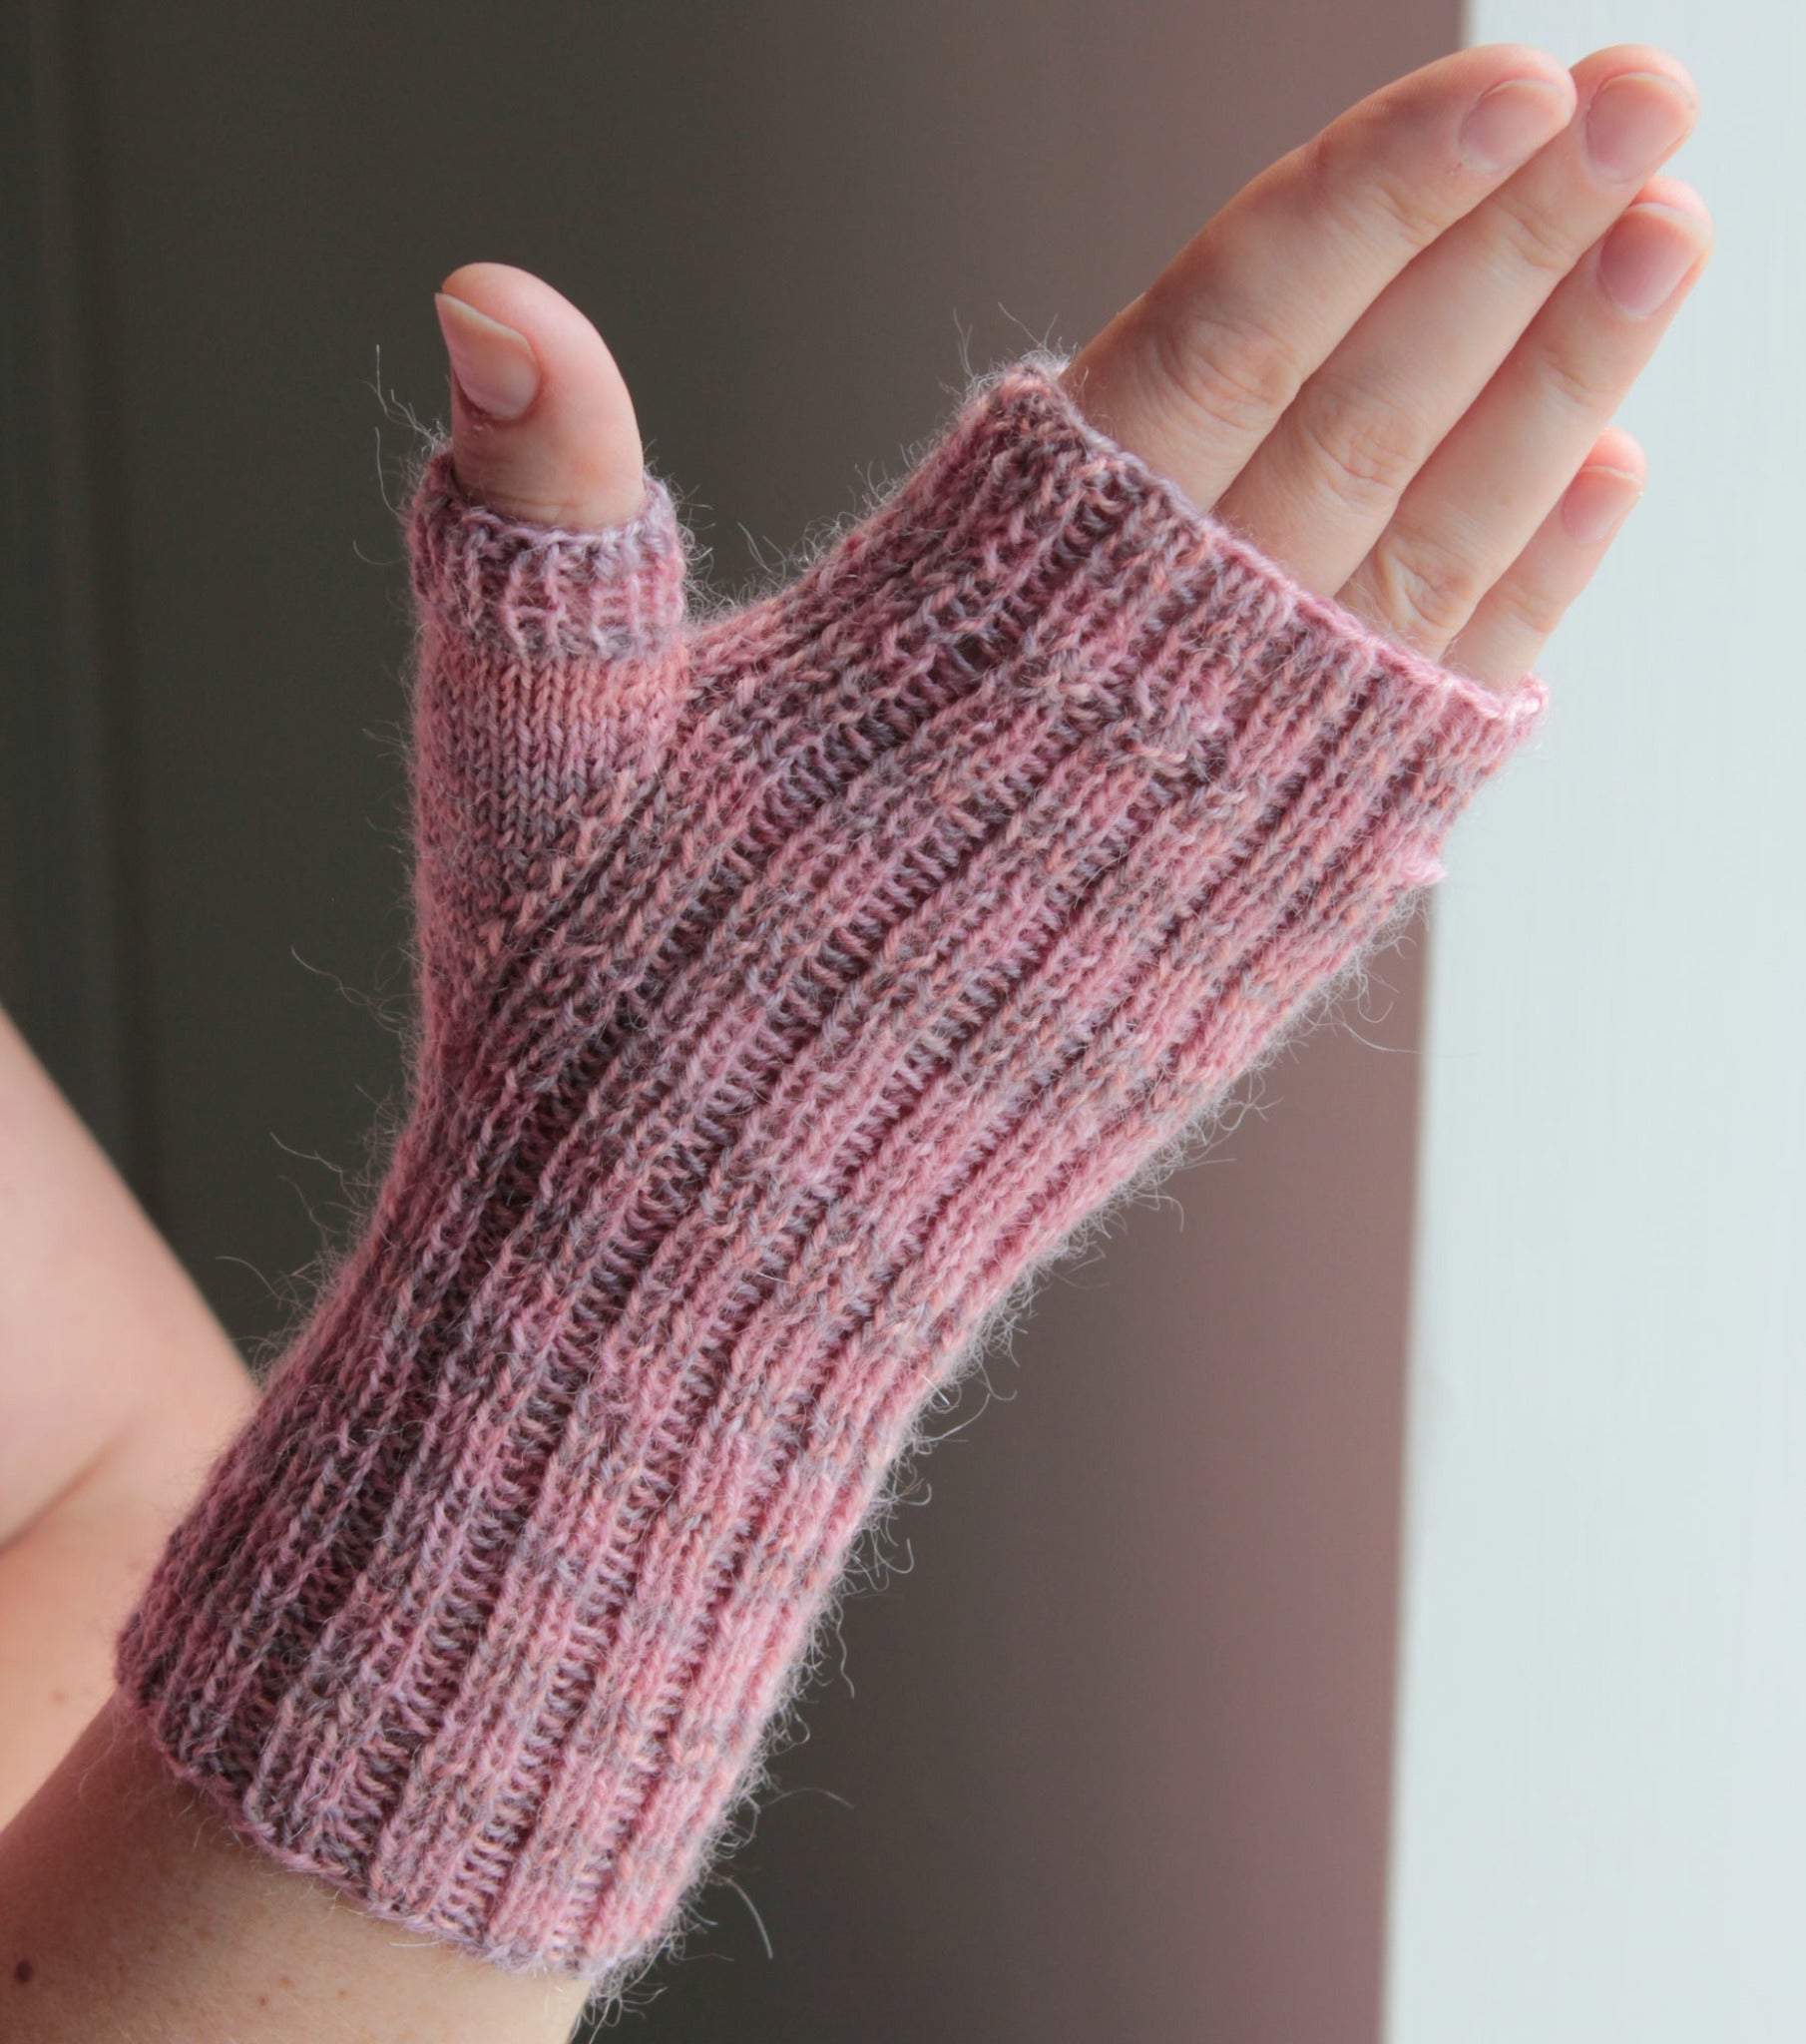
(1633, 122)
(1509, 123)
(496, 367)
(1597, 502)
(1645, 255)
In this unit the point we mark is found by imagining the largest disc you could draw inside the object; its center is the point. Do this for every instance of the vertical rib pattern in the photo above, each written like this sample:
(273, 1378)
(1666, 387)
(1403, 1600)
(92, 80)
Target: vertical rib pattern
(793, 983)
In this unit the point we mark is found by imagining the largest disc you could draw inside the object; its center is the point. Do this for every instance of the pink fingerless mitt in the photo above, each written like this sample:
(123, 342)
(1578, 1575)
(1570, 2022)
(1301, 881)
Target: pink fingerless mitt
(793, 983)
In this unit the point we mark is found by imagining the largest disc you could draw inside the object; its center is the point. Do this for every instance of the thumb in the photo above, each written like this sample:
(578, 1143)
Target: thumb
(543, 429)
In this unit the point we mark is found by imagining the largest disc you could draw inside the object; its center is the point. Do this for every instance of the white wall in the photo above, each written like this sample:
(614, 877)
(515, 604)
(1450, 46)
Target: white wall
(1600, 1784)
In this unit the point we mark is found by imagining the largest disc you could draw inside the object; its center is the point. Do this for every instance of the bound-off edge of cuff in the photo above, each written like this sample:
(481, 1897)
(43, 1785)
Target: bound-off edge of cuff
(620, 592)
(220, 1803)
(1478, 725)
(543, 592)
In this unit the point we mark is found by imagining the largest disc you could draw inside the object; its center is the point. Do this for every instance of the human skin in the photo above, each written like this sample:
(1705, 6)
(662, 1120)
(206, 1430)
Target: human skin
(1391, 363)
(117, 1385)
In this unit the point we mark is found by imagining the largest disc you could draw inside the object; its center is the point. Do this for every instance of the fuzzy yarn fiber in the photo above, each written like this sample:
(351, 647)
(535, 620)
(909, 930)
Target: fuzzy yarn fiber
(794, 979)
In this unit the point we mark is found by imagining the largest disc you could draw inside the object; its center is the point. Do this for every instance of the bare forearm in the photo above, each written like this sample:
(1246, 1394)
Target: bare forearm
(116, 1386)
(128, 1911)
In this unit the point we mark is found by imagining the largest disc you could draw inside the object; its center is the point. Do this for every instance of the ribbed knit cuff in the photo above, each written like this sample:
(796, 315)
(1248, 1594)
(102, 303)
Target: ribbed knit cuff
(542, 593)
(1067, 517)
(803, 978)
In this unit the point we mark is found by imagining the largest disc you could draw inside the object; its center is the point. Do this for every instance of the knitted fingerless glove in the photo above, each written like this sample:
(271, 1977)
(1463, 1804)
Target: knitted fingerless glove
(793, 981)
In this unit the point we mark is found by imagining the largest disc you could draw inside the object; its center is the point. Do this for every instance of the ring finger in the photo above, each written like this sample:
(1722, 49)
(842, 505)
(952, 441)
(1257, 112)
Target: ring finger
(1500, 643)
(1473, 507)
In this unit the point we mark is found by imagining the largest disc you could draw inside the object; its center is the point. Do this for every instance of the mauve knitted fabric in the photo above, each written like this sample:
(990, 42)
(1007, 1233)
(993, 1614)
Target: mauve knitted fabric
(794, 981)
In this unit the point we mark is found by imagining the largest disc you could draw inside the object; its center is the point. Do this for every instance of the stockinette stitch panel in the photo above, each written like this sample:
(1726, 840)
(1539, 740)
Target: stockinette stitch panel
(794, 981)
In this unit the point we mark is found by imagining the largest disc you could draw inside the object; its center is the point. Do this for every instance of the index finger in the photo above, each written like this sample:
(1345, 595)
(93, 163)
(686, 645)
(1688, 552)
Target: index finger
(1194, 373)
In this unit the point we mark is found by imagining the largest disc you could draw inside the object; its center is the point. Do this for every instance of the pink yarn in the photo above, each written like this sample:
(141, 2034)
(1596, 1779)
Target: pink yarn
(793, 983)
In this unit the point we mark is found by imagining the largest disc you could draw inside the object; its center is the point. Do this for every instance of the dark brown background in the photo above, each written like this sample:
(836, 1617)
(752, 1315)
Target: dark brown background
(1112, 1762)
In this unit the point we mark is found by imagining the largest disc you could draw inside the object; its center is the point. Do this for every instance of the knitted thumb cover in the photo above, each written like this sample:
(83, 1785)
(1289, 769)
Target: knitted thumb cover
(794, 981)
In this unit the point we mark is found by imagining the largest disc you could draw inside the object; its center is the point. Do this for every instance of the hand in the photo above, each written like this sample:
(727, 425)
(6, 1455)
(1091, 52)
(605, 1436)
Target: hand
(1389, 361)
